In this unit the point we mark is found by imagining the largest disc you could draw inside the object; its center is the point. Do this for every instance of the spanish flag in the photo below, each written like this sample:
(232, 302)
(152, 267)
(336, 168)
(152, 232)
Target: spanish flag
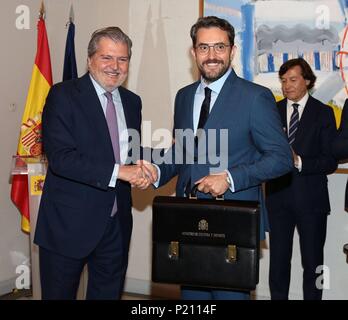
(30, 138)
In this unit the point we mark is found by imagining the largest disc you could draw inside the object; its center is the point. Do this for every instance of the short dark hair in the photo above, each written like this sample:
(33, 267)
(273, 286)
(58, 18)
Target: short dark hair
(113, 33)
(306, 70)
(210, 22)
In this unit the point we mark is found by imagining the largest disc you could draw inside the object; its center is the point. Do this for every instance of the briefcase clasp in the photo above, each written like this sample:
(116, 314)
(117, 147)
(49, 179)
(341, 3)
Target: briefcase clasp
(173, 250)
(231, 253)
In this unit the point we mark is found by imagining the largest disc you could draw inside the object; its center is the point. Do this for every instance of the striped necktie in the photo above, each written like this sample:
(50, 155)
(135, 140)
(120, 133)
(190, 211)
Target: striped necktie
(293, 125)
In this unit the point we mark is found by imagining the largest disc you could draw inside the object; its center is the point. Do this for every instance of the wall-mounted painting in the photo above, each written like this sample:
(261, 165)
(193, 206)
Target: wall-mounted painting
(269, 32)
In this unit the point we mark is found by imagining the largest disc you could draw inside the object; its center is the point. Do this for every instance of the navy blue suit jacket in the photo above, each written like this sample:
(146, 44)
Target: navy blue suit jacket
(76, 202)
(257, 149)
(307, 190)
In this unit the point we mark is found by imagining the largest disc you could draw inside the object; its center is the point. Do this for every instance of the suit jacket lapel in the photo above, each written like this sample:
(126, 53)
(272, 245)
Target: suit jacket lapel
(188, 120)
(126, 109)
(306, 121)
(227, 93)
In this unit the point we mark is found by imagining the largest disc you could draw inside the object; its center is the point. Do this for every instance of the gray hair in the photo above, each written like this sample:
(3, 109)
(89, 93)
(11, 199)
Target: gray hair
(113, 33)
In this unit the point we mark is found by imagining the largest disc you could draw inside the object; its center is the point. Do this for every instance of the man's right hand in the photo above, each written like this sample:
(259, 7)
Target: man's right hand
(140, 175)
(134, 175)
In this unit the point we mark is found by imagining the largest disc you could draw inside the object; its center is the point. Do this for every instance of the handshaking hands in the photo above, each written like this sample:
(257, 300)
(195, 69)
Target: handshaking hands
(140, 175)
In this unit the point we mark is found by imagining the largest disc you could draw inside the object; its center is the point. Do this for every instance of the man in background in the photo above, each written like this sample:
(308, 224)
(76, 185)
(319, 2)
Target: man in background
(300, 198)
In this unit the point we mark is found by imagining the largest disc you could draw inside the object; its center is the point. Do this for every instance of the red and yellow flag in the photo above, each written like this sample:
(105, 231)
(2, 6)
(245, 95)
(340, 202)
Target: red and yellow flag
(30, 138)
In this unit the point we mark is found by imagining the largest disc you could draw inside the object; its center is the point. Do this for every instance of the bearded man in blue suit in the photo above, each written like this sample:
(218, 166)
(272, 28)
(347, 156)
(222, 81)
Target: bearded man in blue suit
(249, 141)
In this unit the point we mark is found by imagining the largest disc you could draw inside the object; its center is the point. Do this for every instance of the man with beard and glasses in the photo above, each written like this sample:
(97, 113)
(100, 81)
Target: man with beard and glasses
(256, 148)
(85, 212)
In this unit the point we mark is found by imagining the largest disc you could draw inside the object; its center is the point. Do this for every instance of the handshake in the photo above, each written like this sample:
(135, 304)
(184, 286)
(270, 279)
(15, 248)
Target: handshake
(140, 175)
(143, 173)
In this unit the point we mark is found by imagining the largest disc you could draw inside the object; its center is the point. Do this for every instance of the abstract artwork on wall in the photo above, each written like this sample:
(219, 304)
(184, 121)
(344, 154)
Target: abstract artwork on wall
(270, 32)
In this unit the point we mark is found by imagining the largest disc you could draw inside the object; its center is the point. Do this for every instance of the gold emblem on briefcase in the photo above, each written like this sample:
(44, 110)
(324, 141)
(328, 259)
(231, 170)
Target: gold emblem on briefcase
(203, 225)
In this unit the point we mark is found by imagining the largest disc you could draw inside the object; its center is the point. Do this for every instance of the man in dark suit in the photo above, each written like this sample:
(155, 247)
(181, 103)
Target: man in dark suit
(300, 199)
(340, 144)
(85, 211)
(250, 143)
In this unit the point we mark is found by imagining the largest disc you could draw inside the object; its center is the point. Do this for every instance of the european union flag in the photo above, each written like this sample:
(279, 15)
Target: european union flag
(70, 69)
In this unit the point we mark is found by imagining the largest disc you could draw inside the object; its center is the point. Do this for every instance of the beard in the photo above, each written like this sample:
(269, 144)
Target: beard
(213, 75)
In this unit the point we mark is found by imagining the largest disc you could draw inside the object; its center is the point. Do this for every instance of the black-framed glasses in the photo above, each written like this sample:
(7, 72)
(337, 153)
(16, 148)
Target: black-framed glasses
(219, 48)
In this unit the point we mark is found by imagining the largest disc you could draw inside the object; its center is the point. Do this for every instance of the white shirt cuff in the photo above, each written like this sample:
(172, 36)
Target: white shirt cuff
(156, 183)
(112, 183)
(231, 181)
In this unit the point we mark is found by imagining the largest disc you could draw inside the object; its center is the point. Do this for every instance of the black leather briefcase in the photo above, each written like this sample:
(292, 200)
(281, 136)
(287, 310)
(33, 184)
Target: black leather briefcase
(209, 243)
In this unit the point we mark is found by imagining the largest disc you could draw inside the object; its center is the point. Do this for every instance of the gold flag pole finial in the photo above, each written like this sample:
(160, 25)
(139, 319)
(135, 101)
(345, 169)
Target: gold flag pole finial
(42, 11)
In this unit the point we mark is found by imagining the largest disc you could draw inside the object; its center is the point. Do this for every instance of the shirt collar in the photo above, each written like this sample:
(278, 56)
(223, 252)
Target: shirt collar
(217, 85)
(301, 102)
(100, 90)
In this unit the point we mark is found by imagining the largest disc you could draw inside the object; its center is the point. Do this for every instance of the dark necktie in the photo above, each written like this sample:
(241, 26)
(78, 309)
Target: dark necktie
(293, 125)
(205, 108)
(203, 117)
(111, 120)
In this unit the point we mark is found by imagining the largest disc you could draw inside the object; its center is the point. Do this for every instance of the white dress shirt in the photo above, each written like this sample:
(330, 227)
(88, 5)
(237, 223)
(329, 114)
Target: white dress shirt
(121, 122)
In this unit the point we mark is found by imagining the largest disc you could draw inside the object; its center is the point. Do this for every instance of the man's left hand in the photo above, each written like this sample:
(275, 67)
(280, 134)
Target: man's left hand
(216, 184)
(296, 158)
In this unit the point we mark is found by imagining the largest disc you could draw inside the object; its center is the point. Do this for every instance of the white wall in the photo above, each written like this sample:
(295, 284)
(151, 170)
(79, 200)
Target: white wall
(160, 65)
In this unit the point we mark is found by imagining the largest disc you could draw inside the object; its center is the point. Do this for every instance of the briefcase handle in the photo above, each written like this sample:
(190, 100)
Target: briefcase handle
(193, 193)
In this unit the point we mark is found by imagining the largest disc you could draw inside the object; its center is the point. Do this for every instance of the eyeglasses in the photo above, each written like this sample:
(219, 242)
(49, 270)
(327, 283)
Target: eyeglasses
(219, 48)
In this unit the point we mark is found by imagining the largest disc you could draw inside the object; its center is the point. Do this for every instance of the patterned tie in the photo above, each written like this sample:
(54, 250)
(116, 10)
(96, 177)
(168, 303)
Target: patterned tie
(293, 125)
(111, 120)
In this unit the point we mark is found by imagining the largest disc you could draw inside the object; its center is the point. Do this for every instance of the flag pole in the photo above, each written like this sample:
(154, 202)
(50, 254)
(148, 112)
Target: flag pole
(71, 16)
(42, 11)
(70, 68)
